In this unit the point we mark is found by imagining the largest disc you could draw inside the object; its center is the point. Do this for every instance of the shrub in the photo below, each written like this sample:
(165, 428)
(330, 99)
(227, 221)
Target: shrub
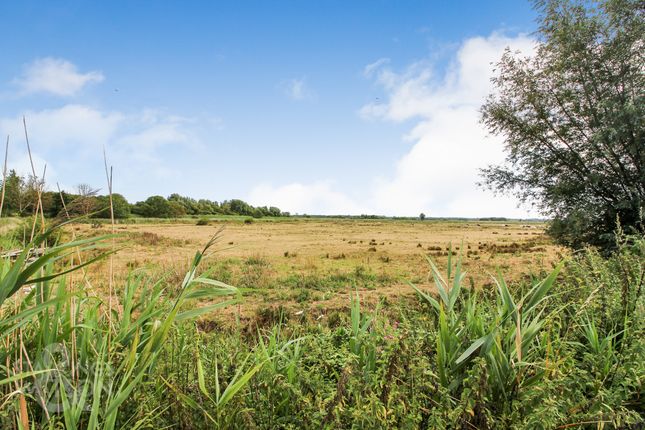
(203, 221)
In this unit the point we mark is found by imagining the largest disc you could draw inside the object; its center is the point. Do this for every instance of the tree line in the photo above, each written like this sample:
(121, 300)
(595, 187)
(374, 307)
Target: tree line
(21, 197)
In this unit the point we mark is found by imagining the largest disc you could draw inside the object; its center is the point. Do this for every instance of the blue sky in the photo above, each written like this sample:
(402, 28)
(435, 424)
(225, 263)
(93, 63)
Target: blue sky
(317, 107)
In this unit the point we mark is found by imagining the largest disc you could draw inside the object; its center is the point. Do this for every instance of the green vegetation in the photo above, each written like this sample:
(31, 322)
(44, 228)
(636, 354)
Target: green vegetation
(572, 118)
(562, 350)
(21, 194)
(74, 359)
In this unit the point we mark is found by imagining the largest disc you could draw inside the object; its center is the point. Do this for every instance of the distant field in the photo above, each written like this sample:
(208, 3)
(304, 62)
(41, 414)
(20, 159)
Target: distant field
(310, 265)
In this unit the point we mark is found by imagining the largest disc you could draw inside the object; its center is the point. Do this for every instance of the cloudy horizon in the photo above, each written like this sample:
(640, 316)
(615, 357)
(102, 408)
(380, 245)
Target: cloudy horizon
(250, 113)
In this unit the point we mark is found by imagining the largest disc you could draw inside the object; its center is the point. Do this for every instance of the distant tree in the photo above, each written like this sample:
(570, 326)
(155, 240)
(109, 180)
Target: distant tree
(153, 207)
(119, 203)
(422, 216)
(177, 209)
(86, 202)
(572, 119)
(206, 207)
(240, 207)
(121, 206)
(85, 190)
(189, 205)
(58, 208)
(21, 195)
(52, 203)
(18, 198)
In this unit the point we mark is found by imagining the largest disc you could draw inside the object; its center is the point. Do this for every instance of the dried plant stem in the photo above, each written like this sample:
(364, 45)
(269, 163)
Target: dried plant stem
(4, 175)
(24, 414)
(38, 390)
(78, 254)
(72, 301)
(108, 176)
(39, 206)
(38, 187)
(7, 343)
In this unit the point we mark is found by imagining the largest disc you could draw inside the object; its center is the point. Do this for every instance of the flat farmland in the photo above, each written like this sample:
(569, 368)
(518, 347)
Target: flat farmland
(312, 265)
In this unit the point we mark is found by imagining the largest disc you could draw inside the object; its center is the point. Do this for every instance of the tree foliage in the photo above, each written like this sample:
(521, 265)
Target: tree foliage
(154, 206)
(572, 119)
(20, 194)
(21, 197)
(119, 203)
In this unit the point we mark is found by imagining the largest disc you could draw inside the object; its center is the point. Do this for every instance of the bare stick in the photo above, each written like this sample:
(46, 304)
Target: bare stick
(31, 160)
(71, 296)
(39, 206)
(62, 200)
(4, 176)
(39, 391)
(41, 188)
(78, 253)
(108, 176)
(72, 301)
(24, 414)
(33, 171)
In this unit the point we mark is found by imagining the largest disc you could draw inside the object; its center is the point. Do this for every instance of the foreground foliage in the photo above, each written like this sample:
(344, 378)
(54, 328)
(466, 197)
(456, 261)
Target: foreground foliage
(565, 350)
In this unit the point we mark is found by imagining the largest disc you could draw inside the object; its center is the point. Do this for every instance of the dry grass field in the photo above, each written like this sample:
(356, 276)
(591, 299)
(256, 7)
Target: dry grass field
(311, 265)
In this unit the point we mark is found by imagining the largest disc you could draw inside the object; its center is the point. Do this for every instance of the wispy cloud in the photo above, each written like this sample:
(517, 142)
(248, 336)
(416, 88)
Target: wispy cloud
(297, 89)
(441, 169)
(143, 145)
(55, 76)
(369, 70)
(438, 174)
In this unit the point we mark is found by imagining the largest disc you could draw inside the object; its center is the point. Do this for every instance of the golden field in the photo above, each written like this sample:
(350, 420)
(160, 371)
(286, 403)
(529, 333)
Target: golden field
(309, 266)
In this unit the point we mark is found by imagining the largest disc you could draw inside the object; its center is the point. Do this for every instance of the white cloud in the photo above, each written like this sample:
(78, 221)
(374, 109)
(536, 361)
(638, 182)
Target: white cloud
(438, 175)
(143, 142)
(22, 164)
(368, 71)
(55, 76)
(78, 126)
(316, 198)
(142, 145)
(440, 172)
(297, 89)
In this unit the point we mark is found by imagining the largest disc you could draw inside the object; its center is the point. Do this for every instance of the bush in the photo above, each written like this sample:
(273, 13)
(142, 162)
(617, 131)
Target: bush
(203, 221)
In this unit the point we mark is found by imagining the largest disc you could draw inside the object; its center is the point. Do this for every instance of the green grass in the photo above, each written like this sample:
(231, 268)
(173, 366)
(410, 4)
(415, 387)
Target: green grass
(564, 350)
(191, 219)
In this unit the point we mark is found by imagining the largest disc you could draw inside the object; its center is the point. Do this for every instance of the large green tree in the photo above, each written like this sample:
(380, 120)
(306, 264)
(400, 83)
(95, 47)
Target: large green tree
(120, 206)
(572, 118)
(153, 207)
(21, 194)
